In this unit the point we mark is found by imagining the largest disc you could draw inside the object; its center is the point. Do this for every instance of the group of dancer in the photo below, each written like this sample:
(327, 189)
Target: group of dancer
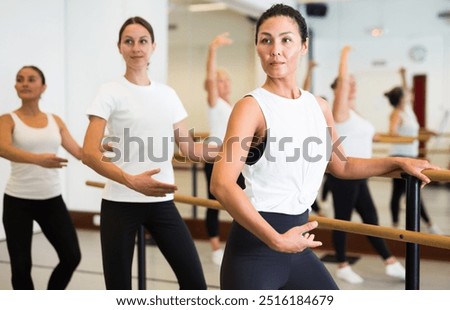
(270, 243)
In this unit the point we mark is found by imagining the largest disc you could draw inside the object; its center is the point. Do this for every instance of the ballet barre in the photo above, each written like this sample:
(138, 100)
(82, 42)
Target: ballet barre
(396, 234)
(411, 235)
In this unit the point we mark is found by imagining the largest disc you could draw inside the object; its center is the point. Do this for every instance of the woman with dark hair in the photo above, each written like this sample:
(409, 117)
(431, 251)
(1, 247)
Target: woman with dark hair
(30, 139)
(403, 122)
(144, 119)
(269, 245)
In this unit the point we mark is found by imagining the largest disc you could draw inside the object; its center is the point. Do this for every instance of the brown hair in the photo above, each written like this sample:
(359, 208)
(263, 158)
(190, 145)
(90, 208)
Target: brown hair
(39, 72)
(140, 21)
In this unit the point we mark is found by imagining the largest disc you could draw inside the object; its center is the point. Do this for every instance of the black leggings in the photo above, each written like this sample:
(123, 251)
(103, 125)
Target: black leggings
(249, 264)
(119, 224)
(398, 189)
(212, 215)
(349, 195)
(56, 224)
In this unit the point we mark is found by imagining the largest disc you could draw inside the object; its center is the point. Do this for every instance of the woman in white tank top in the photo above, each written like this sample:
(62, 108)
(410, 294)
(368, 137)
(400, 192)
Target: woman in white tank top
(403, 122)
(30, 139)
(269, 244)
(354, 195)
(218, 89)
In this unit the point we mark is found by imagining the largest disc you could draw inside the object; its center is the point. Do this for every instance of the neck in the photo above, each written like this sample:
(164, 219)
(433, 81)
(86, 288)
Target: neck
(282, 88)
(30, 107)
(139, 77)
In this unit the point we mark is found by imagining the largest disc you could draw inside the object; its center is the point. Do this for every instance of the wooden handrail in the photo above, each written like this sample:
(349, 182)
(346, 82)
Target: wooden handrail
(438, 175)
(422, 137)
(384, 138)
(346, 226)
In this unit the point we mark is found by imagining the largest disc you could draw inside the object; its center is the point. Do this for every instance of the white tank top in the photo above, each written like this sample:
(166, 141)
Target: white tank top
(358, 133)
(218, 116)
(288, 175)
(409, 127)
(29, 181)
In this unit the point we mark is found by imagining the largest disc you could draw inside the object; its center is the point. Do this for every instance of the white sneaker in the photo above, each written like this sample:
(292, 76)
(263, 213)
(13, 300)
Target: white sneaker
(347, 274)
(434, 229)
(396, 270)
(217, 256)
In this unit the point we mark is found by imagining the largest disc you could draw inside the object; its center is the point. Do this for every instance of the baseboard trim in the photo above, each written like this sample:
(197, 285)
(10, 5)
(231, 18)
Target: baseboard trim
(356, 244)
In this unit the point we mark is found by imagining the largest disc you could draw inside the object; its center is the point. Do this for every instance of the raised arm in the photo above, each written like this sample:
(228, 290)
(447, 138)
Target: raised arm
(402, 72)
(10, 152)
(94, 158)
(211, 67)
(230, 161)
(342, 99)
(307, 83)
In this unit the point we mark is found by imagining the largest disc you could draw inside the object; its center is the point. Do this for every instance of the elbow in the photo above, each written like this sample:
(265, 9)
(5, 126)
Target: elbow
(87, 158)
(216, 188)
(80, 154)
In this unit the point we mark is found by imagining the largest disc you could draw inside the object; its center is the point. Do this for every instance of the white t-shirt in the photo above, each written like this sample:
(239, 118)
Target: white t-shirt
(289, 173)
(218, 116)
(30, 181)
(358, 133)
(140, 123)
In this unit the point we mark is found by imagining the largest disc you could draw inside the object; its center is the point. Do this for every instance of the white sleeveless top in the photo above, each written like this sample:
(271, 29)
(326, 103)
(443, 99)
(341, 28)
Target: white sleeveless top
(218, 116)
(358, 134)
(30, 181)
(409, 127)
(288, 175)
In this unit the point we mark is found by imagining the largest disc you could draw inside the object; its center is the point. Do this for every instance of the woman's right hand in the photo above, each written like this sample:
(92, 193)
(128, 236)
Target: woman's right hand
(220, 40)
(297, 239)
(50, 160)
(145, 183)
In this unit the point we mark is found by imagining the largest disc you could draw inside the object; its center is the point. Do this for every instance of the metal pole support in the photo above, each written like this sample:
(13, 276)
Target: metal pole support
(141, 258)
(412, 259)
(194, 189)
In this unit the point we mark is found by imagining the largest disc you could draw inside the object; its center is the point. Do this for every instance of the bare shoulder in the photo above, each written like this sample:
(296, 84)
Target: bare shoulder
(248, 108)
(322, 102)
(324, 105)
(6, 119)
(59, 121)
(247, 114)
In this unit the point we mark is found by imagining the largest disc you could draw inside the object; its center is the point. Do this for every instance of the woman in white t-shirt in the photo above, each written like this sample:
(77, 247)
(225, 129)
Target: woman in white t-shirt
(269, 243)
(144, 118)
(30, 139)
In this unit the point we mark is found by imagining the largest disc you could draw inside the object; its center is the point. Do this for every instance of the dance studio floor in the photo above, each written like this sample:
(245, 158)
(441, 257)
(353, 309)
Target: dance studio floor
(434, 275)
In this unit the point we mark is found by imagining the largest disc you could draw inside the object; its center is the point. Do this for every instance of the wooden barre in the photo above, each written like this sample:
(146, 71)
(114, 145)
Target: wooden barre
(383, 138)
(333, 224)
(422, 137)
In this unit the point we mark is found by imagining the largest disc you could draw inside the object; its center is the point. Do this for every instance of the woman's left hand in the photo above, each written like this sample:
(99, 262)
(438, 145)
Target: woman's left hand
(415, 167)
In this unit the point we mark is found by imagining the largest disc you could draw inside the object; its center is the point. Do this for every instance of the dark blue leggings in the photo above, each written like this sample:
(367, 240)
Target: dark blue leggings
(56, 224)
(249, 264)
(349, 195)
(119, 223)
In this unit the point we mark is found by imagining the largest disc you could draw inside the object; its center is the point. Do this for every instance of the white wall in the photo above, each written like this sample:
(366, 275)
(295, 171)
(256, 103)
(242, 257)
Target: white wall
(74, 43)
